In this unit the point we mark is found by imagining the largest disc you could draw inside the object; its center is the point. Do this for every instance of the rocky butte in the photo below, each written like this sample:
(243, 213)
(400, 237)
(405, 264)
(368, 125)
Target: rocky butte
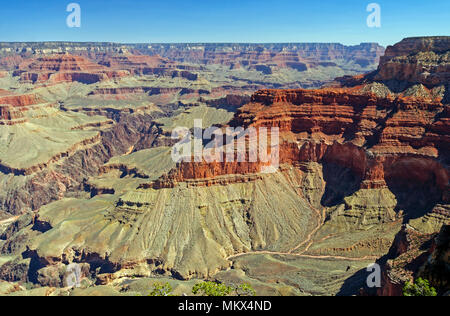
(63, 68)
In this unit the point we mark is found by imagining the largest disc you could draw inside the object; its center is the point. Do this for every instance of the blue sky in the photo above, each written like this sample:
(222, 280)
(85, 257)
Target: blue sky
(257, 21)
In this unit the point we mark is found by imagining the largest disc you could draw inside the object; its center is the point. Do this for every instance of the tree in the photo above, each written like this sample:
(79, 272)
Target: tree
(160, 289)
(212, 289)
(219, 289)
(245, 290)
(420, 288)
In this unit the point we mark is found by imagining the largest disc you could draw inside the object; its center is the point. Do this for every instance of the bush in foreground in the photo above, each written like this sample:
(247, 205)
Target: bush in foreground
(420, 288)
(219, 289)
(160, 289)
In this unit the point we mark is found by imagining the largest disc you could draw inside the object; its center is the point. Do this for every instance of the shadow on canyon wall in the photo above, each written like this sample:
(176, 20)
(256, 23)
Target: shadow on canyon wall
(340, 183)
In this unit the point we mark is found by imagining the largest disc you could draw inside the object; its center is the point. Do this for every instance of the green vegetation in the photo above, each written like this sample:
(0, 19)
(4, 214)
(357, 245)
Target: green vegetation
(212, 289)
(160, 289)
(219, 289)
(420, 288)
(245, 290)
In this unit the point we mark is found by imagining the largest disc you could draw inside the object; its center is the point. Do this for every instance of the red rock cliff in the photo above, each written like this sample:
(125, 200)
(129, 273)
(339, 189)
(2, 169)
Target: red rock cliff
(64, 68)
(381, 139)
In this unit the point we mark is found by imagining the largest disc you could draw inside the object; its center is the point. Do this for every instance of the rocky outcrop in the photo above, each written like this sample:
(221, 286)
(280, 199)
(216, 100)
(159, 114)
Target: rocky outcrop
(430, 69)
(20, 100)
(63, 276)
(64, 68)
(44, 185)
(437, 267)
(413, 255)
(135, 63)
(45, 165)
(378, 138)
(13, 107)
(146, 65)
(406, 256)
(416, 67)
(10, 62)
(10, 116)
(230, 101)
(414, 45)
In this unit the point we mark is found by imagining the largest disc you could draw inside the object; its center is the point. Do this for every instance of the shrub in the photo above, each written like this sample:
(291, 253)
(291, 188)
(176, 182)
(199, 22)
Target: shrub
(420, 288)
(219, 289)
(212, 289)
(160, 289)
(245, 290)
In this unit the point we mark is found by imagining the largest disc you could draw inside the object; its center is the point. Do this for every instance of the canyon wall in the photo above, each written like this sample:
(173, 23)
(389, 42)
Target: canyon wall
(299, 56)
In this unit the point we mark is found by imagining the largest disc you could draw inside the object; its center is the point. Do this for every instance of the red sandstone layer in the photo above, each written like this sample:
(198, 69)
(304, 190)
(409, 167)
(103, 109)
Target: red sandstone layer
(20, 100)
(136, 63)
(380, 139)
(12, 107)
(64, 68)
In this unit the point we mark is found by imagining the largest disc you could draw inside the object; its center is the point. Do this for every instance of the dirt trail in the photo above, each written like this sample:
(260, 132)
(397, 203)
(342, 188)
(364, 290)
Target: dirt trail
(320, 222)
(302, 256)
(308, 241)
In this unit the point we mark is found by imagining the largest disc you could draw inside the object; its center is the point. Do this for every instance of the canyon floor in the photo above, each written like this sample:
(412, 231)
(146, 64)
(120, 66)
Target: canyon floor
(89, 188)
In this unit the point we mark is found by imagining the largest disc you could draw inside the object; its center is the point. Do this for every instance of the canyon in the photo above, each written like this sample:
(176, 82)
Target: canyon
(88, 181)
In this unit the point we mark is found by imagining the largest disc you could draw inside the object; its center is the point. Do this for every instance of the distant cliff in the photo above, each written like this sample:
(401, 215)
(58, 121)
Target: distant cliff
(299, 56)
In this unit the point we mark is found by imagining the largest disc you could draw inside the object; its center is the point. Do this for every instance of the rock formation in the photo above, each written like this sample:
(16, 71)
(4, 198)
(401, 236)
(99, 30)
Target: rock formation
(260, 57)
(64, 68)
(145, 65)
(363, 167)
(378, 138)
(417, 67)
(413, 255)
(394, 142)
